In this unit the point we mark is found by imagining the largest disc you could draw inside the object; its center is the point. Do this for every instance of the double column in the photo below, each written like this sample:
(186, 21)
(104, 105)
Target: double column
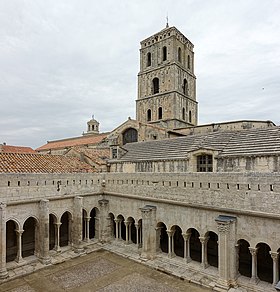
(170, 234)
(187, 254)
(204, 260)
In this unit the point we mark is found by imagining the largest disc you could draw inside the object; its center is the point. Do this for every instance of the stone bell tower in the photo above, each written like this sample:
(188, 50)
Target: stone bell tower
(166, 81)
(92, 127)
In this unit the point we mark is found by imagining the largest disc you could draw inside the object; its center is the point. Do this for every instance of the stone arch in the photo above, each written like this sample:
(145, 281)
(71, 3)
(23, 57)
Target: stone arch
(212, 249)
(162, 237)
(178, 241)
(94, 223)
(121, 227)
(52, 231)
(112, 225)
(11, 240)
(131, 230)
(264, 262)
(65, 229)
(244, 258)
(30, 237)
(129, 135)
(195, 245)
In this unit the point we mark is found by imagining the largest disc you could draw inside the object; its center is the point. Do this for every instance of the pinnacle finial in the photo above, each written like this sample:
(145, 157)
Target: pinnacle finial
(167, 25)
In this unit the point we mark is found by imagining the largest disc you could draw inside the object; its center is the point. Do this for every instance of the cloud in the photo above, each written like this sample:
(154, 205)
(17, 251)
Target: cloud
(62, 61)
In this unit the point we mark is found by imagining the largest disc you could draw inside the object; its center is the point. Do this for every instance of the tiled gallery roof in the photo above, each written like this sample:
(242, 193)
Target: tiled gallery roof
(71, 142)
(16, 149)
(38, 163)
(233, 143)
(97, 155)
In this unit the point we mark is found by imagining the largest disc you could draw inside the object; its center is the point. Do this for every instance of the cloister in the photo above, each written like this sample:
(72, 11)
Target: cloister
(257, 262)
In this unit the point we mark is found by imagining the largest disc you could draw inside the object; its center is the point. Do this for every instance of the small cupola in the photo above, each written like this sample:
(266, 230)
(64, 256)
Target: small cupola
(92, 126)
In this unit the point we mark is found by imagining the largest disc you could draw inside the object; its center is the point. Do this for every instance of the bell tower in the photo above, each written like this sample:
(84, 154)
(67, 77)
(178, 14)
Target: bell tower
(166, 81)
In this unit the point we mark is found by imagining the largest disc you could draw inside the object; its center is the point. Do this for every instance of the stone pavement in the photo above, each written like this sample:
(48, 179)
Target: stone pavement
(99, 270)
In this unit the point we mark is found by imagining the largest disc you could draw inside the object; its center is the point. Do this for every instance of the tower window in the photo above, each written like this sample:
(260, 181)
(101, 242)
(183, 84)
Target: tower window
(160, 113)
(190, 116)
(183, 113)
(149, 59)
(189, 62)
(185, 87)
(149, 115)
(179, 55)
(164, 53)
(155, 85)
(204, 163)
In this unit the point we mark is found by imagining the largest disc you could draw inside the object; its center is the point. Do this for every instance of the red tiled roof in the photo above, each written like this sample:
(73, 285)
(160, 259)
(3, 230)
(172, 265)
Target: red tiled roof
(38, 163)
(16, 149)
(98, 155)
(76, 141)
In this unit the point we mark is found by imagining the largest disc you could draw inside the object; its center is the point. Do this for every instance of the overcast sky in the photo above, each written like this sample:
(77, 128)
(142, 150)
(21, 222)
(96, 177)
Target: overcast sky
(62, 61)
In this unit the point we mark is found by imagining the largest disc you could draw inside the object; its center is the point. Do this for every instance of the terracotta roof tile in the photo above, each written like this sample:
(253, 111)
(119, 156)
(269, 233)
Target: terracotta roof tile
(98, 155)
(38, 163)
(76, 141)
(16, 149)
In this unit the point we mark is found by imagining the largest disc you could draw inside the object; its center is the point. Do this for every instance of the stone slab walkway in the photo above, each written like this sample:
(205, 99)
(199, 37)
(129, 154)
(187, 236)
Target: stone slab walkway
(100, 271)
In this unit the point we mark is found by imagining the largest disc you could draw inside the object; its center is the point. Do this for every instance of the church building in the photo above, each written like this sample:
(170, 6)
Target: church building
(200, 202)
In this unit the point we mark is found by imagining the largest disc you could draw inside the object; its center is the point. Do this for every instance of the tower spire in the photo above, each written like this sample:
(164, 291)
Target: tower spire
(167, 25)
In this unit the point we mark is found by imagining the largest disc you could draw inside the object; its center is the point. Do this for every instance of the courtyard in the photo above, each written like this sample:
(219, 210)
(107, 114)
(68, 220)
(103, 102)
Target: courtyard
(100, 271)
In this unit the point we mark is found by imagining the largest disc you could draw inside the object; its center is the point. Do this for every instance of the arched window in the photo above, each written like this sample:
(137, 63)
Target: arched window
(185, 87)
(164, 53)
(155, 85)
(183, 113)
(190, 116)
(179, 55)
(189, 62)
(149, 115)
(130, 135)
(149, 59)
(92, 127)
(160, 113)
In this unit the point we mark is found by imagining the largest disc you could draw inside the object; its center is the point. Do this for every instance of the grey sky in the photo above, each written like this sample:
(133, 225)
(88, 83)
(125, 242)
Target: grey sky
(62, 61)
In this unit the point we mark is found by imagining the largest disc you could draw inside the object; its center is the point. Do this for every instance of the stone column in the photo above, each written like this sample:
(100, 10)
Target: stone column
(104, 232)
(19, 258)
(129, 232)
(87, 219)
(137, 233)
(237, 258)
(187, 255)
(44, 232)
(120, 229)
(57, 237)
(254, 276)
(204, 260)
(170, 234)
(275, 258)
(126, 223)
(3, 268)
(77, 225)
(226, 250)
(117, 228)
(148, 232)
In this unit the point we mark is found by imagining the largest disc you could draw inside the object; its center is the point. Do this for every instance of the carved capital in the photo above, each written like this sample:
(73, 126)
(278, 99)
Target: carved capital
(170, 232)
(186, 235)
(274, 255)
(253, 251)
(223, 227)
(204, 239)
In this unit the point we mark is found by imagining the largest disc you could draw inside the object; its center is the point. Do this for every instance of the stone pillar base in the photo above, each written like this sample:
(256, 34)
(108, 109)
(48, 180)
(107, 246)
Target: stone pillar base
(79, 250)
(4, 274)
(45, 261)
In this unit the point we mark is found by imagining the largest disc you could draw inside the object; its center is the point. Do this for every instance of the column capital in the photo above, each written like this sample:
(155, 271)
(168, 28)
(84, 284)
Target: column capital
(253, 251)
(170, 232)
(204, 239)
(117, 220)
(57, 224)
(186, 235)
(274, 255)
(19, 231)
(223, 227)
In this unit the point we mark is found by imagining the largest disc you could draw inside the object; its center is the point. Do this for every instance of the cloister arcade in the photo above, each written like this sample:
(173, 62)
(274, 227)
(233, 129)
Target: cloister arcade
(257, 262)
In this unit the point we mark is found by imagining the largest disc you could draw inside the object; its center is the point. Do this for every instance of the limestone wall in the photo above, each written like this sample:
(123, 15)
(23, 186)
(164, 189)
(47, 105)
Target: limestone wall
(22, 187)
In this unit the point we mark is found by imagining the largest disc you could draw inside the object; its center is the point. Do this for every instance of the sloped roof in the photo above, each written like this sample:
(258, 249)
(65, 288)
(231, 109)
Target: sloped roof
(38, 163)
(231, 143)
(76, 141)
(16, 149)
(98, 155)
